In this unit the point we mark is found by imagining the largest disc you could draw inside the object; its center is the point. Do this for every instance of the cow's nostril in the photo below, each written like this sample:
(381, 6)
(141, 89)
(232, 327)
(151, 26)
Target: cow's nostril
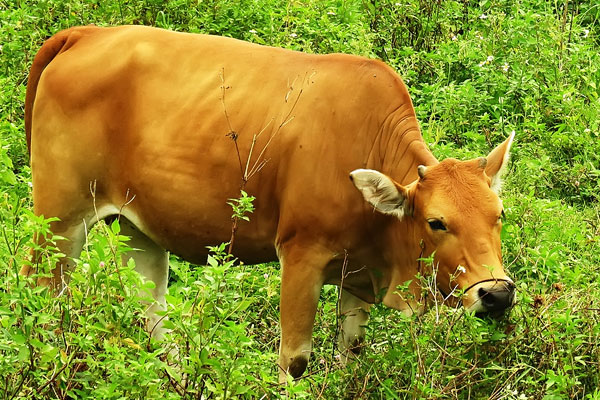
(486, 297)
(496, 300)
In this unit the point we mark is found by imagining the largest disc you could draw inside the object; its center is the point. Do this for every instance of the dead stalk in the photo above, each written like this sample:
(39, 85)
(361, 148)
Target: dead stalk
(253, 167)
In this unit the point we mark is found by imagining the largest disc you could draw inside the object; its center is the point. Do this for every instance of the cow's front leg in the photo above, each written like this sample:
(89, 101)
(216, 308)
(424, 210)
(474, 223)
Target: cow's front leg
(301, 282)
(354, 314)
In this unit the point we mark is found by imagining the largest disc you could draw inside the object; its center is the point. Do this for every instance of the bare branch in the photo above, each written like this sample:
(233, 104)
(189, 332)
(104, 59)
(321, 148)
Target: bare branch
(253, 167)
(232, 134)
(284, 122)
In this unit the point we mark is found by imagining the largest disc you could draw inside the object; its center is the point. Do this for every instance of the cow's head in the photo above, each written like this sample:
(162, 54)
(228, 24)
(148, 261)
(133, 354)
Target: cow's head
(452, 211)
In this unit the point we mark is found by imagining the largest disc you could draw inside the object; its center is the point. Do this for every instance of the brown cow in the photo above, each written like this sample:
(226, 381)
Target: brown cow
(146, 112)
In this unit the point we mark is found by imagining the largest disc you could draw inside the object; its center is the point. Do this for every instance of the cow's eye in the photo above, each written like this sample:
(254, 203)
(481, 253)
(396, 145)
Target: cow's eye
(501, 217)
(436, 225)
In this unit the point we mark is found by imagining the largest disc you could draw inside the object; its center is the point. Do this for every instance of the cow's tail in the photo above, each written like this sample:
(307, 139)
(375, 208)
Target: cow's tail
(49, 50)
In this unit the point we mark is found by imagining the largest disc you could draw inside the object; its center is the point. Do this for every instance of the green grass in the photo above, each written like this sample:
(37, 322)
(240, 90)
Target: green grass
(476, 72)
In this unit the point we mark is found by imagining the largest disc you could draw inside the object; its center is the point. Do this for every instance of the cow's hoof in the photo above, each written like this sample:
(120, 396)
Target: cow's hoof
(298, 366)
(356, 346)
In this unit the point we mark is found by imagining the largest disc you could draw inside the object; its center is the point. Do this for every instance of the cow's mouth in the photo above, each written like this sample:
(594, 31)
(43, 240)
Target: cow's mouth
(492, 297)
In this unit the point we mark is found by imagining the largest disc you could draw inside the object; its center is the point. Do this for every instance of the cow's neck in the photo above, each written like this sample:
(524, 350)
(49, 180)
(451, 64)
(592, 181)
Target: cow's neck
(401, 147)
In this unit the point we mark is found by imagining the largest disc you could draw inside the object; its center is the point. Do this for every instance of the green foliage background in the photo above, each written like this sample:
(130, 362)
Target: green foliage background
(476, 72)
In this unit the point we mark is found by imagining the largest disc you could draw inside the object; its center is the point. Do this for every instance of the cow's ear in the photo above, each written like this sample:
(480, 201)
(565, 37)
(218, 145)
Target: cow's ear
(497, 162)
(382, 192)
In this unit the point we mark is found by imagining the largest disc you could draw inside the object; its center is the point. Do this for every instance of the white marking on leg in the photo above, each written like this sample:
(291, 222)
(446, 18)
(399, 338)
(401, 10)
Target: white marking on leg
(152, 262)
(71, 247)
(354, 314)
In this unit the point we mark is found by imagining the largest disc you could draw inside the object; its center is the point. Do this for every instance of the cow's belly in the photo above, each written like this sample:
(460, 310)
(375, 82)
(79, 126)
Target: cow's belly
(186, 229)
(183, 207)
(192, 244)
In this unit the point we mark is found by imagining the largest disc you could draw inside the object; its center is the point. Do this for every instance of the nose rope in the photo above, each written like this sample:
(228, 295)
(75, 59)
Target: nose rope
(419, 269)
(419, 265)
(488, 280)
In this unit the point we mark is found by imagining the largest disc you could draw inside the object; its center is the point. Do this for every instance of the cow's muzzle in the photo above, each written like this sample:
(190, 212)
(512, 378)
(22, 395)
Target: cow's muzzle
(491, 296)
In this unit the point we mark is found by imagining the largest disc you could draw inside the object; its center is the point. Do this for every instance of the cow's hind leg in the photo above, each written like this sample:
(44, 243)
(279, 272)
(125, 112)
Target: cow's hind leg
(354, 315)
(72, 238)
(152, 262)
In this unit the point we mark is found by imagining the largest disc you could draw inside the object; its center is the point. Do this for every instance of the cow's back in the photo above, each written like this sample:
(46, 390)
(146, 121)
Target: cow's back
(148, 113)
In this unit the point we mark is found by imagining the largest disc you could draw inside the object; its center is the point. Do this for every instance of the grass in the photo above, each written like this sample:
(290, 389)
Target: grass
(476, 71)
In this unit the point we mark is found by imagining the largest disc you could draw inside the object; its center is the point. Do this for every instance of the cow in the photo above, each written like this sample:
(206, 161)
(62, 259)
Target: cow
(167, 126)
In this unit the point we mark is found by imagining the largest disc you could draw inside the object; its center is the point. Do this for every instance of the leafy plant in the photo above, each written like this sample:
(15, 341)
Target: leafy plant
(476, 71)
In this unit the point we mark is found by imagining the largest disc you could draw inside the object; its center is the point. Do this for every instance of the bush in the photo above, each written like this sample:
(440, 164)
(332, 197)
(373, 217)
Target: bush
(476, 72)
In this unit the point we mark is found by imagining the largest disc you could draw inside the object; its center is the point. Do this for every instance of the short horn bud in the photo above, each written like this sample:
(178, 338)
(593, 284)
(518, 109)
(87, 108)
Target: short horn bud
(482, 162)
